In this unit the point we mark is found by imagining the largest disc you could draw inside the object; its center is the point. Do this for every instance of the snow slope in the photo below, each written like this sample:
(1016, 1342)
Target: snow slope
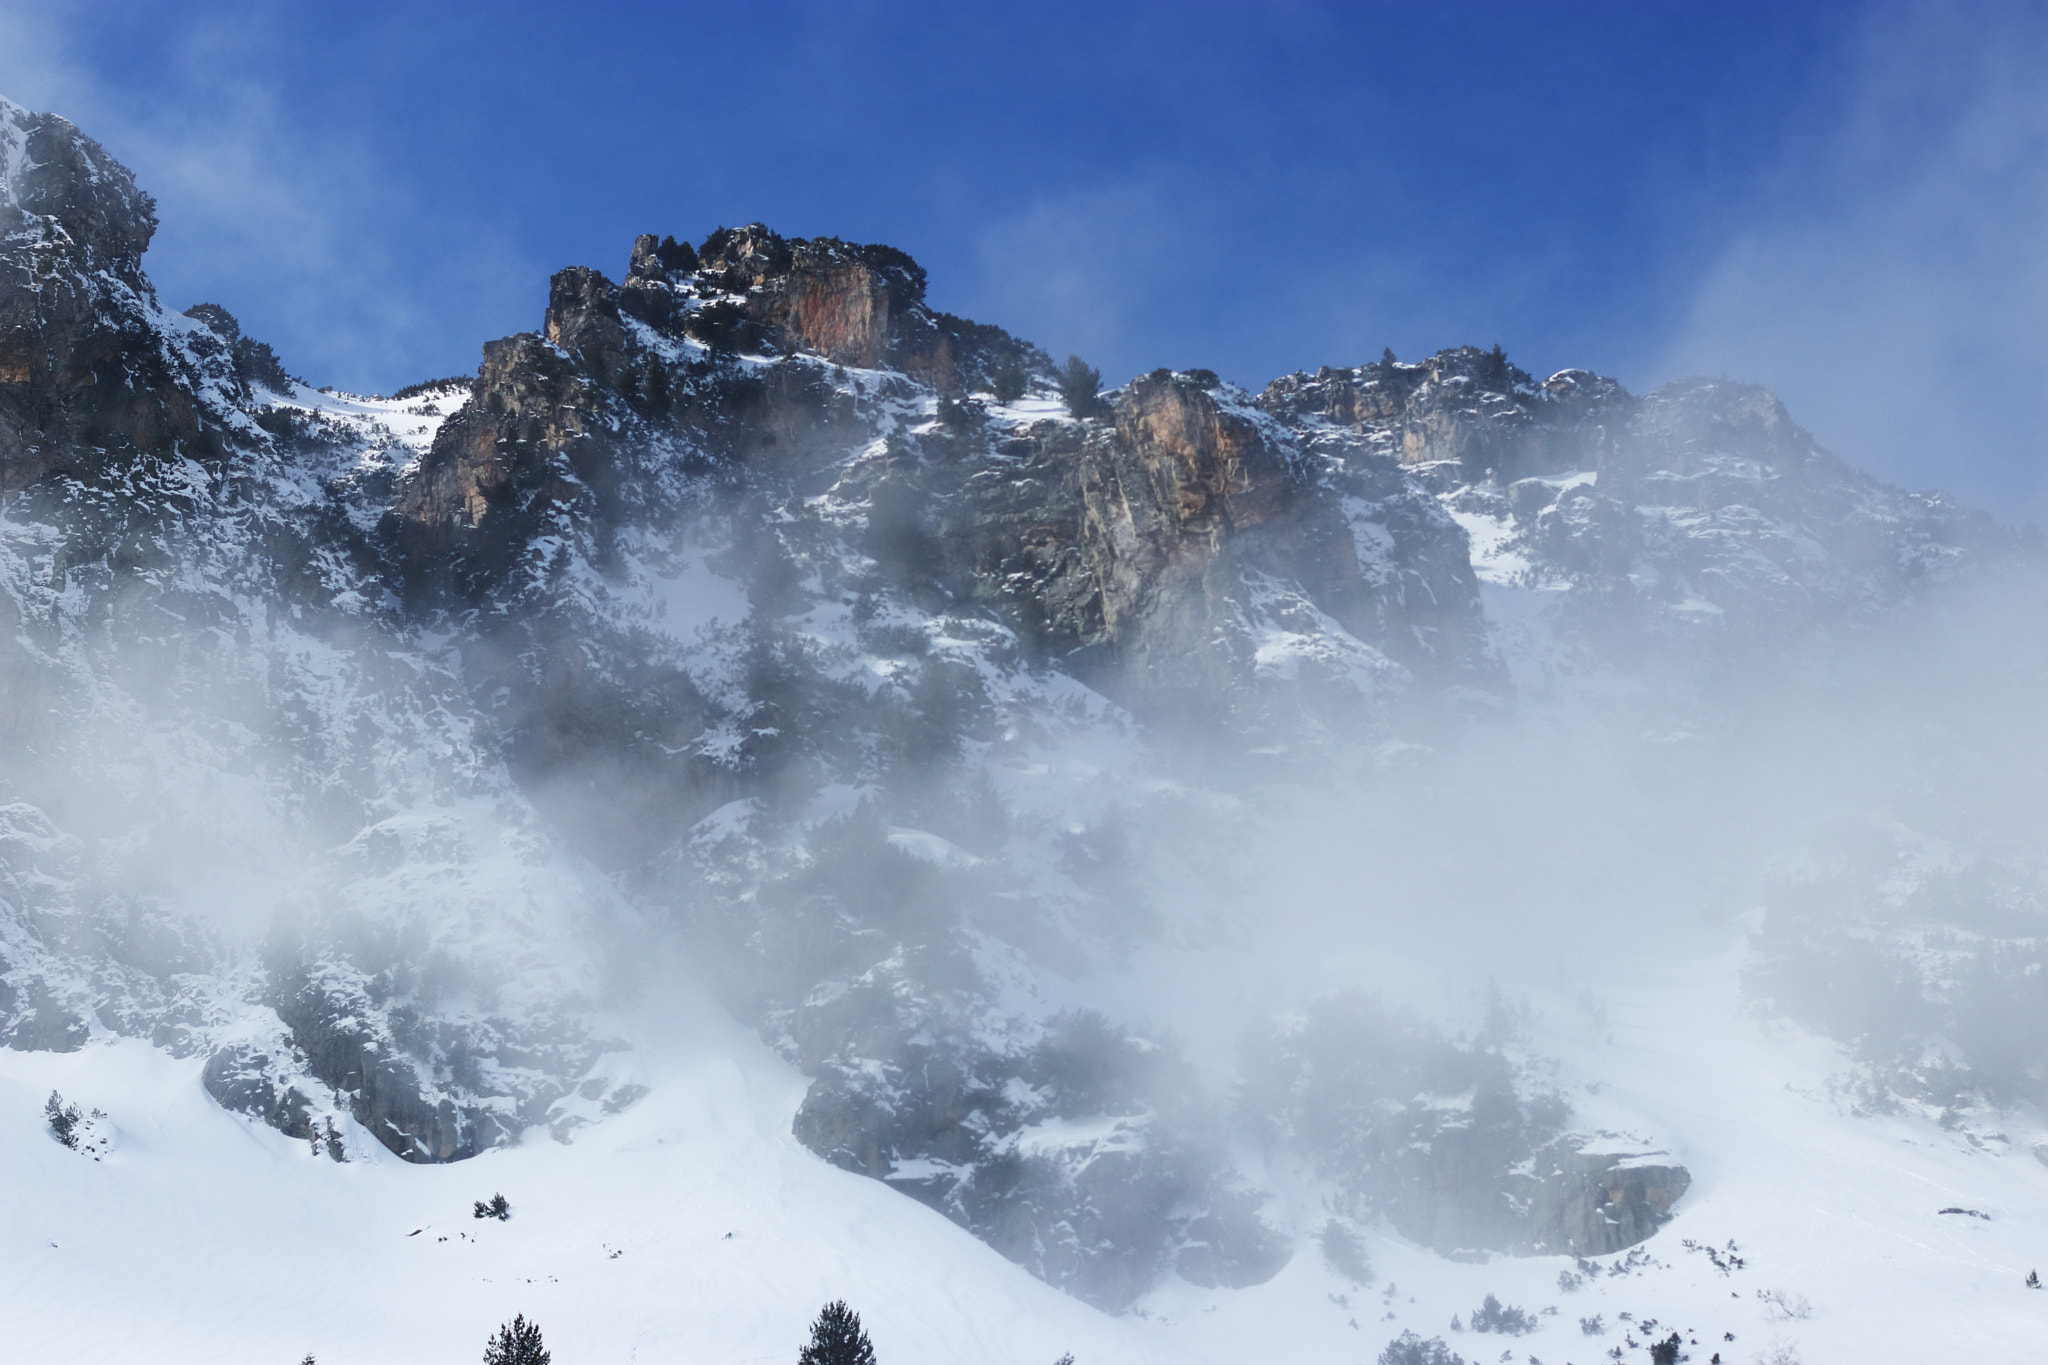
(691, 1227)
(205, 1236)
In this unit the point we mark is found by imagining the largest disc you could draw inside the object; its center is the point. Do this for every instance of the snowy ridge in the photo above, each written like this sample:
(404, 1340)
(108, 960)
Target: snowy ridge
(1098, 819)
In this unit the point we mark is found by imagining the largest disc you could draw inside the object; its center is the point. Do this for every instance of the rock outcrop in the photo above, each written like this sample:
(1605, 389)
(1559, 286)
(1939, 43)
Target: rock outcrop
(1565, 1200)
(709, 615)
(86, 381)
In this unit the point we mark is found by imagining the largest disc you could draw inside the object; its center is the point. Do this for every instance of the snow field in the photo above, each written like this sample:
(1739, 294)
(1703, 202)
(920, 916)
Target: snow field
(204, 1236)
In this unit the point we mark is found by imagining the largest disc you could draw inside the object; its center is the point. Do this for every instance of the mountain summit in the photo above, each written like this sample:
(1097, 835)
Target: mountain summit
(753, 624)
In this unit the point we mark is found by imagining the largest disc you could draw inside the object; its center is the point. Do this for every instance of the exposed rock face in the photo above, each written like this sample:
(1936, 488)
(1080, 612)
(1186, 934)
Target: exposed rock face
(183, 558)
(594, 652)
(1106, 1213)
(1163, 553)
(1447, 1141)
(833, 298)
(1595, 1203)
(61, 188)
(1160, 553)
(1467, 408)
(84, 380)
(1568, 1202)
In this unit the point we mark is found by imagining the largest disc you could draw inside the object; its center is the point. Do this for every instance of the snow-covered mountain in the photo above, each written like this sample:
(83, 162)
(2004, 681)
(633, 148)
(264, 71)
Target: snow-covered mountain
(1101, 811)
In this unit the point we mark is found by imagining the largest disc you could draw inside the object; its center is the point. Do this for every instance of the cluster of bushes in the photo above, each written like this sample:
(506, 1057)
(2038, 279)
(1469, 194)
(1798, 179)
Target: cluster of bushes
(724, 326)
(1494, 1316)
(66, 1120)
(426, 386)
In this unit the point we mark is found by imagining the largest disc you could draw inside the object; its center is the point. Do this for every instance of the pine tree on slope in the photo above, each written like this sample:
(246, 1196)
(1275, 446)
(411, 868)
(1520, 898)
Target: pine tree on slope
(517, 1343)
(1080, 386)
(836, 1338)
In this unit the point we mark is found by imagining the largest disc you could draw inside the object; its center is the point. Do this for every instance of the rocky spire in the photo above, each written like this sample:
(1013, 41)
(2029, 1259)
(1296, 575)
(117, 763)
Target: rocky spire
(59, 187)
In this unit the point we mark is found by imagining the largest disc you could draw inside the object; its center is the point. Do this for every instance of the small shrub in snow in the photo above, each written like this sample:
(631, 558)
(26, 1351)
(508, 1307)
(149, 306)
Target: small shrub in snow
(1594, 1326)
(1665, 1352)
(1782, 1307)
(75, 1128)
(495, 1207)
(1409, 1349)
(1727, 1261)
(517, 1343)
(837, 1339)
(2033, 1279)
(1494, 1316)
(64, 1119)
(1568, 1283)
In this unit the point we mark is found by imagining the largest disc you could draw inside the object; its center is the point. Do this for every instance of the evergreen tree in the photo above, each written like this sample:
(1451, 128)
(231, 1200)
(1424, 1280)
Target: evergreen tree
(836, 1338)
(517, 1343)
(655, 391)
(1491, 369)
(1080, 386)
(64, 1119)
(1007, 381)
(1409, 1349)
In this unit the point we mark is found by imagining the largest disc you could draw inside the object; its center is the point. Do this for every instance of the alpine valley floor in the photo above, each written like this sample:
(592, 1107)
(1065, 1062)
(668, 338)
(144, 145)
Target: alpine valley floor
(694, 1227)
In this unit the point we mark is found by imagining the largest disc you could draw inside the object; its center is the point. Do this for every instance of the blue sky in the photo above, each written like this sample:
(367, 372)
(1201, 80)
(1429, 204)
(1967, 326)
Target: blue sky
(1849, 203)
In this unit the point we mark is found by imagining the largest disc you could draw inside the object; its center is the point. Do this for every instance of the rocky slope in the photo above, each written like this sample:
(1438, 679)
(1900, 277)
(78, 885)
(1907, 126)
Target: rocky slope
(752, 609)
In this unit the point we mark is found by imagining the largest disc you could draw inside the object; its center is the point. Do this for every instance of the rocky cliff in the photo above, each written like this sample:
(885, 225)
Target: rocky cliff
(752, 609)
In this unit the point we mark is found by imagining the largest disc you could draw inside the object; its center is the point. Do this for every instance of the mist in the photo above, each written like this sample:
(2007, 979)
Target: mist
(1197, 841)
(1891, 261)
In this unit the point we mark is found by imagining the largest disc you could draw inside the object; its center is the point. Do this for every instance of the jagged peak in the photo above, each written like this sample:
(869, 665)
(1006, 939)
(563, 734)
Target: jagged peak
(1699, 413)
(255, 362)
(755, 256)
(51, 171)
(1454, 366)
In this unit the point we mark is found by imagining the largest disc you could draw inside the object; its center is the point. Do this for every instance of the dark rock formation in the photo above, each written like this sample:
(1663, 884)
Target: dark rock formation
(1148, 551)
(1071, 1165)
(751, 527)
(1465, 408)
(254, 361)
(1446, 1140)
(85, 380)
(1592, 1203)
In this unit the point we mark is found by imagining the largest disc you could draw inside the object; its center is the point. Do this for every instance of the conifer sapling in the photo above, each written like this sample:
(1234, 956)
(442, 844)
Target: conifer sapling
(517, 1343)
(837, 1338)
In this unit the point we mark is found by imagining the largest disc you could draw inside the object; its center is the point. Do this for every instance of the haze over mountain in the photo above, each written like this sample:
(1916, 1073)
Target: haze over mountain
(1419, 824)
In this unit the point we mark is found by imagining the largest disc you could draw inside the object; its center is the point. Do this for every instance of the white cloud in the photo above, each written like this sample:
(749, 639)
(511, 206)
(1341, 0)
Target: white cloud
(1078, 270)
(1894, 287)
(296, 229)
